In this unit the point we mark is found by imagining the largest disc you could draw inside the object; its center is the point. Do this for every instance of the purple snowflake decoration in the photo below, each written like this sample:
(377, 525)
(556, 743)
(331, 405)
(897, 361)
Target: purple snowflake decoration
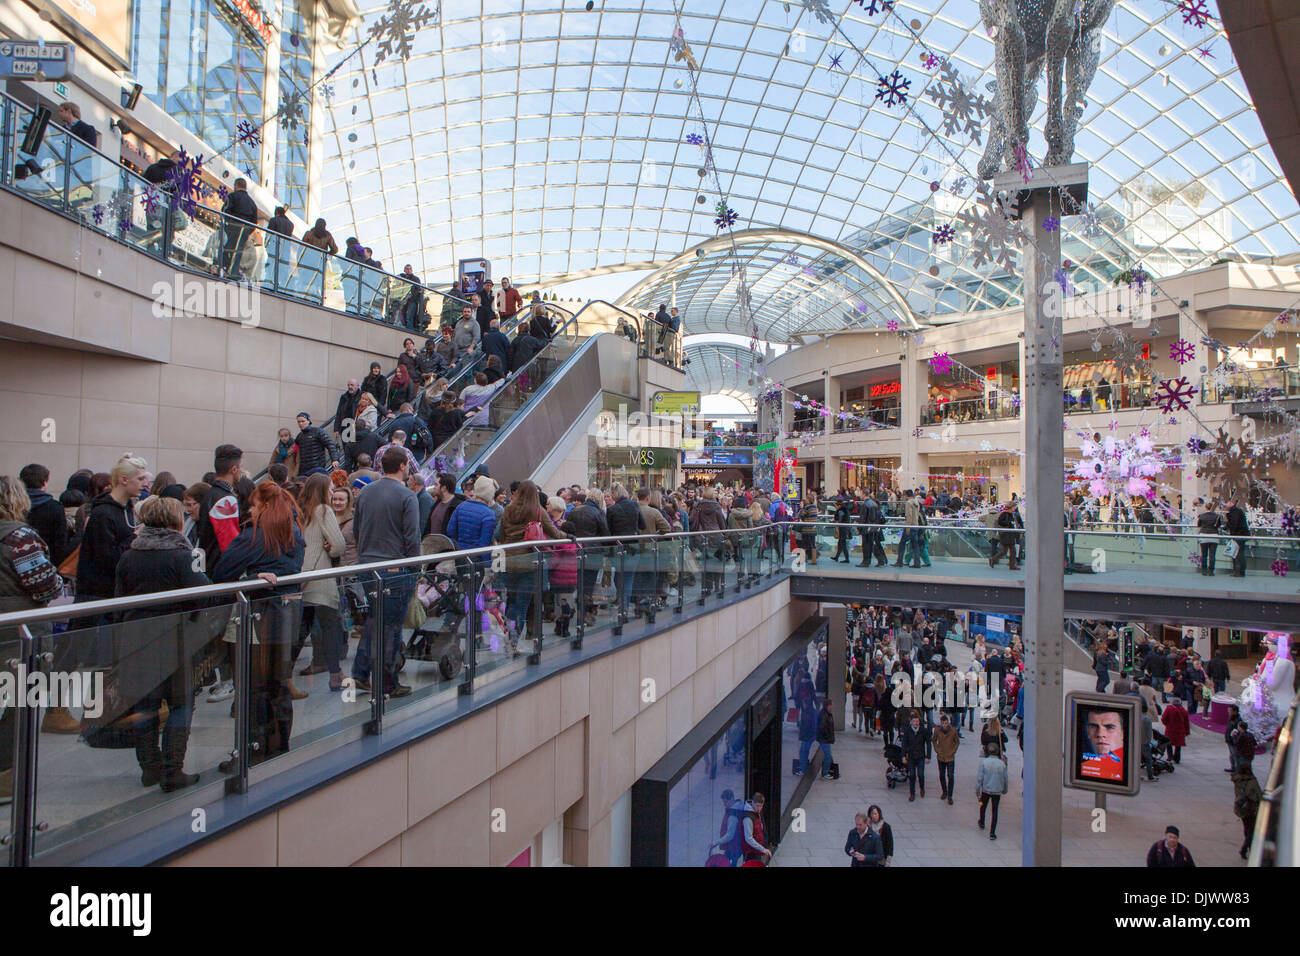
(1279, 568)
(916, 432)
(726, 216)
(941, 363)
(1291, 523)
(810, 272)
(892, 89)
(124, 224)
(695, 139)
(97, 213)
(944, 235)
(1062, 278)
(891, 324)
(1194, 12)
(186, 179)
(1051, 224)
(1174, 392)
(792, 259)
(835, 61)
(222, 193)
(929, 61)
(872, 7)
(1182, 351)
(1284, 318)
(1205, 53)
(151, 200)
(248, 134)
(1138, 278)
(1195, 560)
(862, 307)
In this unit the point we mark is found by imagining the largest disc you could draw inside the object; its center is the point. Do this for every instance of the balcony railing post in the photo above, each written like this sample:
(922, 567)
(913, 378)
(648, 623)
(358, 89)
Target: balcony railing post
(681, 573)
(67, 172)
(470, 586)
(242, 754)
(620, 587)
(653, 598)
(581, 610)
(537, 617)
(24, 783)
(378, 664)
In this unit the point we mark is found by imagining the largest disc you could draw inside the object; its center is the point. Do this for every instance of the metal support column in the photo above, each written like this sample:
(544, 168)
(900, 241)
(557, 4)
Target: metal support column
(1043, 196)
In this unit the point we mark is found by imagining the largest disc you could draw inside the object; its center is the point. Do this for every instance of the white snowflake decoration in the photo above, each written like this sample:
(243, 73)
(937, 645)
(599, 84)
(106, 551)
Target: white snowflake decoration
(820, 9)
(995, 236)
(963, 111)
(396, 28)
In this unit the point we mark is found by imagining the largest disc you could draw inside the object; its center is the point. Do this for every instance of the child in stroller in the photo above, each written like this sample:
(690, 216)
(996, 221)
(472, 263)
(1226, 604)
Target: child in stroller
(895, 772)
(1161, 761)
(438, 591)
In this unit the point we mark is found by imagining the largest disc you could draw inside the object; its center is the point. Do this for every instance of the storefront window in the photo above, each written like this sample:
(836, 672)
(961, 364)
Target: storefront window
(708, 801)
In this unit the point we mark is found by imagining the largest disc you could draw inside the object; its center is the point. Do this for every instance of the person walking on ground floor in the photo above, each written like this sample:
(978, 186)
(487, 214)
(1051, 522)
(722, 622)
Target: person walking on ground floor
(863, 845)
(826, 737)
(1170, 852)
(990, 785)
(1246, 797)
(916, 751)
(945, 742)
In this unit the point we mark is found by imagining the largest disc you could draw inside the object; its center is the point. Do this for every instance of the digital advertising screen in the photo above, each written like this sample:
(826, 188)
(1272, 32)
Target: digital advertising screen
(1103, 748)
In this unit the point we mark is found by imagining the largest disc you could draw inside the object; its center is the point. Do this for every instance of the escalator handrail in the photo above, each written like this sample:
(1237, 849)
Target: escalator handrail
(573, 320)
(460, 433)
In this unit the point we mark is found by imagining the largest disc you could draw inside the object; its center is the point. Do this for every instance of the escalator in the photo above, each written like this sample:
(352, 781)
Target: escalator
(545, 406)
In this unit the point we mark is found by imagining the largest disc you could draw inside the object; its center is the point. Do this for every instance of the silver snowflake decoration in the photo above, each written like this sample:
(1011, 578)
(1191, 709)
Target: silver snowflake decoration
(995, 236)
(327, 92)
(963, 111)
(1089, 220)
(396, 28)
(821, 9)
(291, 110)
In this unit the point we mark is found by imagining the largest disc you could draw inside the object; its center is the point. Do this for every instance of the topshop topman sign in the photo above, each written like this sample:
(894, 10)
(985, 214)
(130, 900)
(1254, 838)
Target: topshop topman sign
(31, 60)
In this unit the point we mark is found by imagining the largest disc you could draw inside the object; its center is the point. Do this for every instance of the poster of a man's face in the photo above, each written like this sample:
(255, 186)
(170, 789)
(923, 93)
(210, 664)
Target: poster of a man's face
(1102, 732)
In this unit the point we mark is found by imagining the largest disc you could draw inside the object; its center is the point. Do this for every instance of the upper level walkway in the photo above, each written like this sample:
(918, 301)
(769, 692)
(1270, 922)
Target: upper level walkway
(1116, 576)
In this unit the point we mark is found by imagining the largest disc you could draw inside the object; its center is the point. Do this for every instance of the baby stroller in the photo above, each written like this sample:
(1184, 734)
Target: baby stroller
(895, 772)
(1161, 761)
(436, 640)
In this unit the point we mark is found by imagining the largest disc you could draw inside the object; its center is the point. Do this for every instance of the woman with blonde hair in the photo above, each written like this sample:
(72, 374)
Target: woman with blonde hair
(367, 411)
(28, 580)
(160, 558)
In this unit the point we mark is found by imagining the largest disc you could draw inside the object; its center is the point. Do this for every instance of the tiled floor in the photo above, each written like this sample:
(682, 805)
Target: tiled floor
(1197, 797)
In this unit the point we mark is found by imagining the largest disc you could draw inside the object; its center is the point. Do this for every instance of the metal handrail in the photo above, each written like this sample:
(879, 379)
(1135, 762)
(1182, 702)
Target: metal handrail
(65, 612)
(274, 242)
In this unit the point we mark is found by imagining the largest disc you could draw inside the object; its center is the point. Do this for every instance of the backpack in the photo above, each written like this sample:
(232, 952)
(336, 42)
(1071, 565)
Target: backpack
(533, 531)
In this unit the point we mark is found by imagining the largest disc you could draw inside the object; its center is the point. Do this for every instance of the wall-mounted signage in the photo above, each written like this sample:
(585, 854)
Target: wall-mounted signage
(33, 60)
(886, 388)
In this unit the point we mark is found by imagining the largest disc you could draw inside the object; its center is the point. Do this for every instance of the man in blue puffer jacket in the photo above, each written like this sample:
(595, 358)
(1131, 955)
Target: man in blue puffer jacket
(473, 523)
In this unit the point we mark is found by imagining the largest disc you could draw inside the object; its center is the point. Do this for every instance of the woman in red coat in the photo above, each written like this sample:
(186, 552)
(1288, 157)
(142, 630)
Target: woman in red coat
(1176, 727)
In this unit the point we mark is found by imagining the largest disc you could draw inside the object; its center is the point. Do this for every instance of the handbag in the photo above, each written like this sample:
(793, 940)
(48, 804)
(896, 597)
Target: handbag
(416, 615)
(68, 566)
(358, 603)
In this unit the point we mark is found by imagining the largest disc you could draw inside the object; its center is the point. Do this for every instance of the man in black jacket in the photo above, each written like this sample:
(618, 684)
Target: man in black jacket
(448, 500)
(1217, 671)
(916, 751)
(241, 216)
(1239, 528)
(346, 412)
(826, 737)
(315, 450)
(869, 514)
(376, 384)
(1156, 665)
(46, 514)
(495, 342)
(411, 305)
(522, 351)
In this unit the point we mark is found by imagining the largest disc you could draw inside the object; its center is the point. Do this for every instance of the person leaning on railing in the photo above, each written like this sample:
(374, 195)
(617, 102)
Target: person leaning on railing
(28, 580)
(160, 558)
